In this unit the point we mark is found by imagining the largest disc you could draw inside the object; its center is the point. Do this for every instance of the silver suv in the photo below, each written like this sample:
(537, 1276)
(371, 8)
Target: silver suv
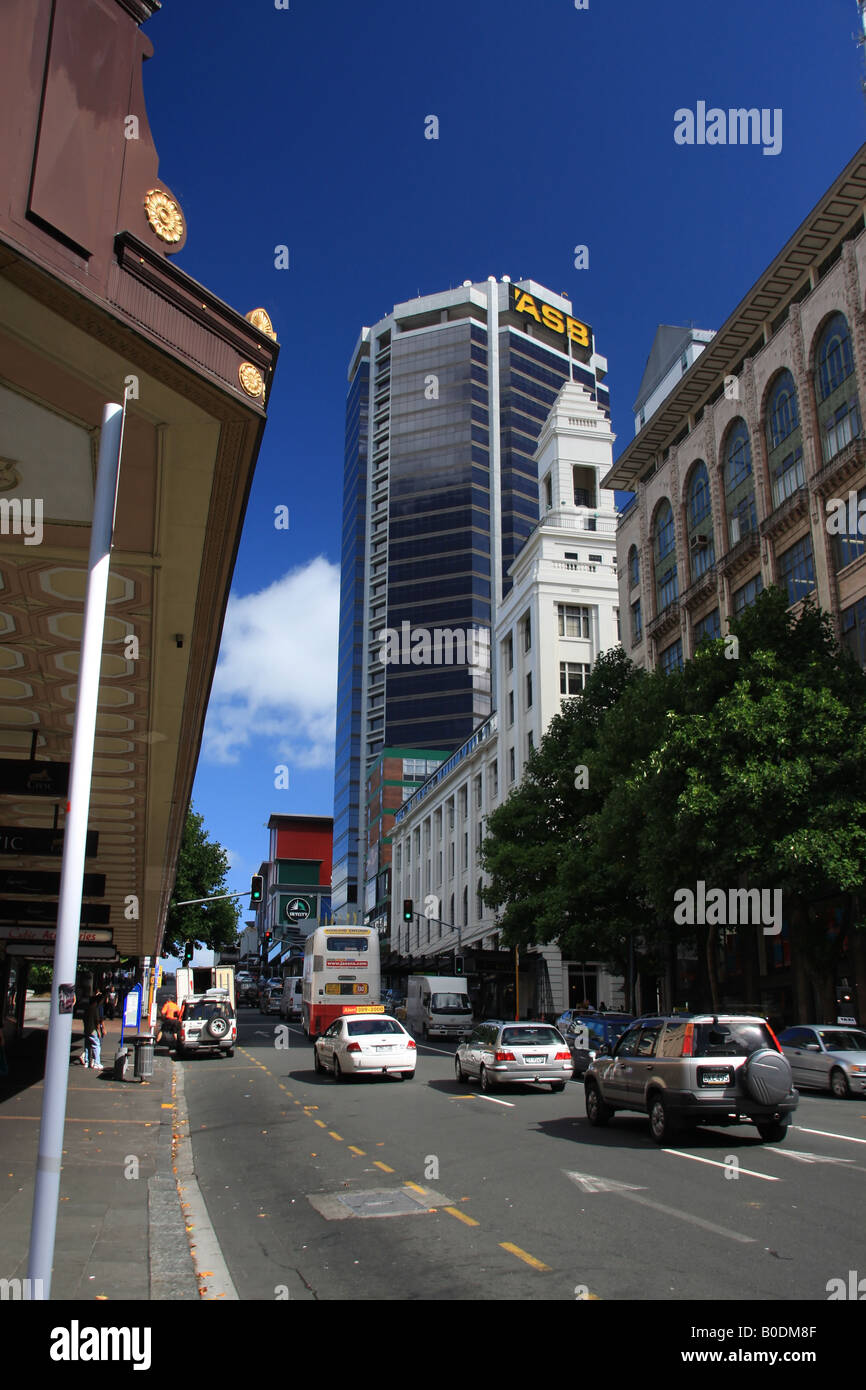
(695, 1069)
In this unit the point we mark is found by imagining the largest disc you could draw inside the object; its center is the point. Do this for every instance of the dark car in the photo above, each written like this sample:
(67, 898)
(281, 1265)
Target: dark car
(589, 1034)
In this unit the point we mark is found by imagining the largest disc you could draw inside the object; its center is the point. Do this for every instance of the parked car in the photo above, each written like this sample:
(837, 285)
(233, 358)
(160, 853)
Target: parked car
(698, 1069)
(371, 1043)
(587, 1036)
(207, 1022)
(830, 1058)
(272, 999)
(501, 1054)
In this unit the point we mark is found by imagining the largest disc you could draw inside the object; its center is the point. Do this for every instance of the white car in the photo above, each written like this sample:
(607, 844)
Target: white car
(366, 1044)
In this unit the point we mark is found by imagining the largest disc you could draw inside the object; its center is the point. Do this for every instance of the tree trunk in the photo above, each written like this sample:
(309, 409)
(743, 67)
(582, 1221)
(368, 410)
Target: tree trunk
(712, 958)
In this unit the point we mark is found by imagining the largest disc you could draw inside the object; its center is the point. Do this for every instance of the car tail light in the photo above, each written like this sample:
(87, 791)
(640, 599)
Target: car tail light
(354, 1047)
(411, 1044)
(562, 1057)
(773, 1036)
(505, 1057)
(689, 1041)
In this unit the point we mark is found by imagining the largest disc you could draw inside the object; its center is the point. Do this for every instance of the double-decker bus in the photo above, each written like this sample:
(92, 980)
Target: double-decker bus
(341, 966)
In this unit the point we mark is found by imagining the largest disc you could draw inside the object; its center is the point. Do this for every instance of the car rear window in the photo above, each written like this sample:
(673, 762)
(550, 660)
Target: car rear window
(202, 1010)
(732, 1039)
(527, 1036)
(366, 1027)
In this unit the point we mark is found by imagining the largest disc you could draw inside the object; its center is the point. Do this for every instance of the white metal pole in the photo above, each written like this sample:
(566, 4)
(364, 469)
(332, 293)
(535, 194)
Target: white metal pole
(47, 1192)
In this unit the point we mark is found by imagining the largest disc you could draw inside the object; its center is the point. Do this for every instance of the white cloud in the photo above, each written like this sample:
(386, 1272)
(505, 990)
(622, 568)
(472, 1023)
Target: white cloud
(277, 672)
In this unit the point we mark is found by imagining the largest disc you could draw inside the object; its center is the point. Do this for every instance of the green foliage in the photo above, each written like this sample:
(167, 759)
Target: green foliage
(741, 770)
(201, 873)
(39, 977)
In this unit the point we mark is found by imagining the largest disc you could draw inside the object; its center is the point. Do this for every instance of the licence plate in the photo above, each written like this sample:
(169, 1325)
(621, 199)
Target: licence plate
(716, 1078)
(533, 1058)
(387, 1047)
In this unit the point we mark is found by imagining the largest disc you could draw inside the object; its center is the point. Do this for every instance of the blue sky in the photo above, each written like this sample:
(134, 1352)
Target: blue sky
(305, 128)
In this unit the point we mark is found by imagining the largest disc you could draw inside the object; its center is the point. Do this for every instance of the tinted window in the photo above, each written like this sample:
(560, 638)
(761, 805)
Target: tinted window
(672, 1043)
(738, 1039)
(797, 1037)
(204, 1010)
(366, 1027)
(628, 1043)
(842, 1040)
(524, 1037)
(647, 1040)
(342, 944)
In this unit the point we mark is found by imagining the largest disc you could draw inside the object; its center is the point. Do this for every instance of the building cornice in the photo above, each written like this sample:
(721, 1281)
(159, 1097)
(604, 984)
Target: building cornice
(743, 331)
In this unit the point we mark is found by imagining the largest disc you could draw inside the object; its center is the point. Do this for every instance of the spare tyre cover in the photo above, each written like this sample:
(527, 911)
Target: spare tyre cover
(217, 1027)
(768, 1076)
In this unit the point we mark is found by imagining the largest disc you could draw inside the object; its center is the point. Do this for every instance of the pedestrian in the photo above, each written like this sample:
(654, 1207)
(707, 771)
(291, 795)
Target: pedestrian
(92, 1028)
(169, 1016)
(110, 1002)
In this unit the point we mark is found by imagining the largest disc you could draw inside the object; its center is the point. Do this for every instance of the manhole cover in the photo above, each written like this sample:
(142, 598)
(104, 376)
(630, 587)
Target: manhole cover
(391, 1203)
(381, 1201)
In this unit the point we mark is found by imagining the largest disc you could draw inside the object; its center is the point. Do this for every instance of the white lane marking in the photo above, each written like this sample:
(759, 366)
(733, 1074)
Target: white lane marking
(803, 1157)
(441, 1050)
(714, 1162)
(828, 1134)
(631, 1196)
(587, 1182)
(494, 1101)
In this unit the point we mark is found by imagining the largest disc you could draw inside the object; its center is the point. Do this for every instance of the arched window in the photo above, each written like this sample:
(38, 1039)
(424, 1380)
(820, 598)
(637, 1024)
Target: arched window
(784, 439)
(836, 388)
(633, 567)
(699, 521)
(466, 906)
(665, 556)
(479, 904)
(739, 482)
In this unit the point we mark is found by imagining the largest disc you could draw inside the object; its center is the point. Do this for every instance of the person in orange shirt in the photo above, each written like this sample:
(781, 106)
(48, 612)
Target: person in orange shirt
(169, 1014)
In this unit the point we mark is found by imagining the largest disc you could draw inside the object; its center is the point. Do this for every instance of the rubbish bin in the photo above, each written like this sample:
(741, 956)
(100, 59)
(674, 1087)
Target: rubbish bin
(143, 1068)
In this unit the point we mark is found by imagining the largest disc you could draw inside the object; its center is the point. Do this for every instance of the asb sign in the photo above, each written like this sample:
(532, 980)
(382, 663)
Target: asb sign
(549, 317)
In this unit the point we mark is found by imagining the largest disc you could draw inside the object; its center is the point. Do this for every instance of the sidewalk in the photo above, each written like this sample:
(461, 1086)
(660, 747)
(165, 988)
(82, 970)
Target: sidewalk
(120, 1230)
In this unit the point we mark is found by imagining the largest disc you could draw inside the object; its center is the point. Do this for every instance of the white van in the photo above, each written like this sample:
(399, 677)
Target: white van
(292, 1002)
(438, 1006)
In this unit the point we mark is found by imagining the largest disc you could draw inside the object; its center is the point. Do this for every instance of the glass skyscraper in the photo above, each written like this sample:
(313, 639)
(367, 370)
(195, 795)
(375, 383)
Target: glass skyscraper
(447, 397)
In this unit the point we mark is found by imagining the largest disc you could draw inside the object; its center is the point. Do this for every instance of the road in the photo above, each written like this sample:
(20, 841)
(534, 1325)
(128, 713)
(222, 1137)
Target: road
(508, 1197)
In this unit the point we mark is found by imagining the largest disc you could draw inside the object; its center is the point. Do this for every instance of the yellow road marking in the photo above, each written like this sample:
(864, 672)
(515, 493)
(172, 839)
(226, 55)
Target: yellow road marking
(383, 1166)
(334, 1135)
(356, 1150)
(320, 1123)
(522, 1255)
(461, 1216)
(415, 1187)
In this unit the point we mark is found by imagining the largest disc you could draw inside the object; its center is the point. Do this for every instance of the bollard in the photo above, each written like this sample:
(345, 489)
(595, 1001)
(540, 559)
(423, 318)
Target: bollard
(120, 1060)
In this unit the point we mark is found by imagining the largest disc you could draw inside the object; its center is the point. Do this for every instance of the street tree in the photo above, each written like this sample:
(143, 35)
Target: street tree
(201, 873)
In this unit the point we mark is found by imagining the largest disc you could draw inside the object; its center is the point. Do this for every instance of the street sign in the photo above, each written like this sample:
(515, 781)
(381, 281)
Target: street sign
(87, 936)
(39, 950)
(297, 909)
(45, 884)
(23, 839)
(21, 777)
(32, 910)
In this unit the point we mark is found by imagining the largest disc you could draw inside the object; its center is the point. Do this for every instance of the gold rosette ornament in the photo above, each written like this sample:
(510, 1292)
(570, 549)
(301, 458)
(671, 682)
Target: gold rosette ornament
(164, 215)
(251, 379)
(261, 319)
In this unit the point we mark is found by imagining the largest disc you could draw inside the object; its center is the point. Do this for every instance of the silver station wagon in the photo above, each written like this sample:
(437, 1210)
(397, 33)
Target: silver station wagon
(508, 1054)
(698, 1069)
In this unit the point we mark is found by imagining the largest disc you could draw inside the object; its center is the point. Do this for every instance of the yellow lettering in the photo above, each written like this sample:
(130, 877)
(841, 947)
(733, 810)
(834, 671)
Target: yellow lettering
(553, 318)
(578, 332)
(526, 305)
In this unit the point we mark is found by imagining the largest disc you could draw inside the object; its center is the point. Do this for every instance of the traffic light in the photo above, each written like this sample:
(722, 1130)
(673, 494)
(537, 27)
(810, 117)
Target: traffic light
(458, 965)
(187, 952)
(257, 885)
(408, 914)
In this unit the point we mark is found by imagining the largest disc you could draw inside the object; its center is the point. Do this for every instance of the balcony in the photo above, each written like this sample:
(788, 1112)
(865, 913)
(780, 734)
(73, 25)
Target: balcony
(665, 621)
(703, 586)
(740, 555)
(570, 520)
(787, 515)
(844, 466)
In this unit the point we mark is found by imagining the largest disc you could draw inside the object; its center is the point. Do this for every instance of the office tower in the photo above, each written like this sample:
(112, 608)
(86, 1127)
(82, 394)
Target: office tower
(447, 397)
